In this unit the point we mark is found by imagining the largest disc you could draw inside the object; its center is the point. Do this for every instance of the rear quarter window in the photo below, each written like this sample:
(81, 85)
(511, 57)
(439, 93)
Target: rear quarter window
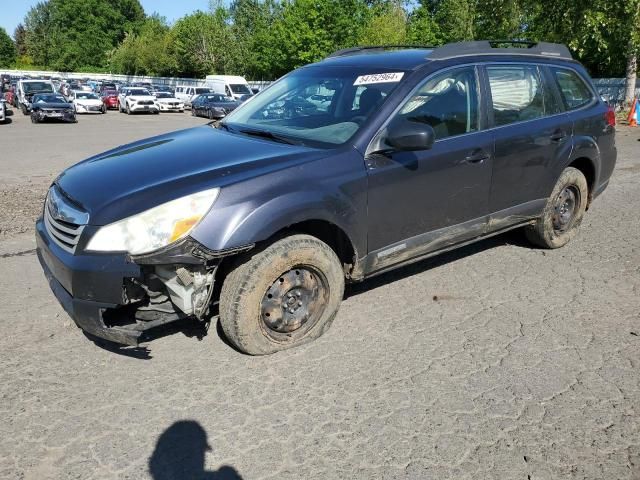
(574, 91)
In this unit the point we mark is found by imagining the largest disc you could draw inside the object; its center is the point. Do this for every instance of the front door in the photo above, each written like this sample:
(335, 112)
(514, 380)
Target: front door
(422, 201)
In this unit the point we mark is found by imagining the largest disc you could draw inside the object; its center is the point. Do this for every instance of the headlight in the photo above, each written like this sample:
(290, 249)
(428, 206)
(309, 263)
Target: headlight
(154, 228)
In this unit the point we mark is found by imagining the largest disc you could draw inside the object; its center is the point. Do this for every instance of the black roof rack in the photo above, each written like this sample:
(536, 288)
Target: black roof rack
(477, 47)
(501, 47)
(354, 50)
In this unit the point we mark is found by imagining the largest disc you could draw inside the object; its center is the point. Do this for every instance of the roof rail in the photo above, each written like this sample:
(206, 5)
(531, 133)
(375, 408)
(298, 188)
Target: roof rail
(353, 50)
(501, 47)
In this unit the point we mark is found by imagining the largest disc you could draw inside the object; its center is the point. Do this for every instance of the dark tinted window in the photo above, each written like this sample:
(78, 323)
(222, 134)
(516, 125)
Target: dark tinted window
(448, 102)
(516, 93)
(574, 91)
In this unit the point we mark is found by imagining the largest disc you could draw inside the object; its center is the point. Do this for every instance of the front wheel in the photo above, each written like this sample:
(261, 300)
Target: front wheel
(282, 296)
(563, 212)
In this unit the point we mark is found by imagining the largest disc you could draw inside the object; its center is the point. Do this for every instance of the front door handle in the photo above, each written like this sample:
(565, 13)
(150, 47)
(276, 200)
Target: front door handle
(558, 136)
(476, 156)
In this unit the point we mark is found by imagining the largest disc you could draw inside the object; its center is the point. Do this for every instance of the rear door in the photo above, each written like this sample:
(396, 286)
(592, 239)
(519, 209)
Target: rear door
(530, 135)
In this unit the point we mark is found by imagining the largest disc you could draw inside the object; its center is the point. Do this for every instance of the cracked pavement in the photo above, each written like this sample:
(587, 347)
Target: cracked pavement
(495, 361)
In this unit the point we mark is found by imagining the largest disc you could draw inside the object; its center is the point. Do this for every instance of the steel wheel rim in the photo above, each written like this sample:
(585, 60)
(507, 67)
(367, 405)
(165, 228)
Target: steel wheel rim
(294, 302)
(565, 208)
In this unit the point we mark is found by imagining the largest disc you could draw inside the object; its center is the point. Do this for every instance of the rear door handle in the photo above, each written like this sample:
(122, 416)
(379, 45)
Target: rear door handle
(476, 156)
(558, 135)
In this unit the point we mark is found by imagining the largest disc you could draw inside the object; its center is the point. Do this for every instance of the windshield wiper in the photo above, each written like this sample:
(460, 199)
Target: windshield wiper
(270, 135)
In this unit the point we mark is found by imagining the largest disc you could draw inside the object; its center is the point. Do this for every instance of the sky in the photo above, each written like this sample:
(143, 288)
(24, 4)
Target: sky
(12, 12)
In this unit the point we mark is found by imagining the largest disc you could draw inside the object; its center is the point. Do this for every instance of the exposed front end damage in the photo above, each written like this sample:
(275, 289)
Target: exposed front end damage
(121, 297)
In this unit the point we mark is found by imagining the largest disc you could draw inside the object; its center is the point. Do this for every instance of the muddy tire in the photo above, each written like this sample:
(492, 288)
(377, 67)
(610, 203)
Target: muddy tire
(282, 296)
(563, 212)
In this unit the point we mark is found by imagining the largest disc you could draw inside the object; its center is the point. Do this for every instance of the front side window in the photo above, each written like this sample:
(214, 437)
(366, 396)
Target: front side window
(516, 92)
(323, 106)
(447, 102)
(573, 90)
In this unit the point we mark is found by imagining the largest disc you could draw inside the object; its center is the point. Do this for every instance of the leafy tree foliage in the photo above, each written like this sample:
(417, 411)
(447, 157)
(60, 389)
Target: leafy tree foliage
(264, 39)
(19, 36)
(70, 34)
(7, 49)
(147, 52)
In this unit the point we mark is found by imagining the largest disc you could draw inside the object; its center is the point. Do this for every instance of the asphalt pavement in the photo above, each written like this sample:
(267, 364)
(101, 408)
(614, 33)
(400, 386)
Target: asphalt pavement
(496, 361)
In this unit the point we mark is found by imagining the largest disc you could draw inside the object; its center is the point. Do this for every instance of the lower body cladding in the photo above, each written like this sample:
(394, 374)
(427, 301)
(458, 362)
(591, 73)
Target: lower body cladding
(120, 298)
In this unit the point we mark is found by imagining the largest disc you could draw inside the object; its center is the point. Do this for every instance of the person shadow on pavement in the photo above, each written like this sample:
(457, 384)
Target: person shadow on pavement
(180, 455)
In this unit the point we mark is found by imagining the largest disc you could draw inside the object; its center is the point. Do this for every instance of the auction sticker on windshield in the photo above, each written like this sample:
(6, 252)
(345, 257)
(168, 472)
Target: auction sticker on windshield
(379, 78)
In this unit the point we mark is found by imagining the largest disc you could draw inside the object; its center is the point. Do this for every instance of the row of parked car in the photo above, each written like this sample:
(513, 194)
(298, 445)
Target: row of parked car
(44, 99)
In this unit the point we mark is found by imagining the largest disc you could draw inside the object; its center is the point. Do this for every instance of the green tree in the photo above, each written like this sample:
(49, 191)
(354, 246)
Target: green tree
(19, 36)
(387, 25)
(71, 34)
(148, 52)
(41, 34)
(7, 49)
(251, 27)
(308, 30)
(202, 43)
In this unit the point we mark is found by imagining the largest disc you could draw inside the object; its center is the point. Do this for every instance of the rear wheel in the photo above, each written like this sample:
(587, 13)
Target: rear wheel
(563, 213)
(283, 296)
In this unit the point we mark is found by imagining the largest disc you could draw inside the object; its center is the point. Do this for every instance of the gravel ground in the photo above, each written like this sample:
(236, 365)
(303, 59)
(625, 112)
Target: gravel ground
(497, 361)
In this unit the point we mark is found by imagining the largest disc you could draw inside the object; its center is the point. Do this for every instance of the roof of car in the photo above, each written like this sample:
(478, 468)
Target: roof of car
(413, 57)
(403, 59)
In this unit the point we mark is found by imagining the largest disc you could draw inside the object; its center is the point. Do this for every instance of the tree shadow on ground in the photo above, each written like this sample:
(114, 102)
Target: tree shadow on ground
(180, 455)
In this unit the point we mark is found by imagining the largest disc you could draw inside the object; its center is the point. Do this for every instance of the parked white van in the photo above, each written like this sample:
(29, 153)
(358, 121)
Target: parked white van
(229, 85)
(186, 93)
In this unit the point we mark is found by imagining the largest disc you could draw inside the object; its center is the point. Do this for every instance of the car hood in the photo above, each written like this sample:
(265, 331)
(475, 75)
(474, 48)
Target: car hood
(51, 105)
(135, 177)
(88, 101)
(140, 97)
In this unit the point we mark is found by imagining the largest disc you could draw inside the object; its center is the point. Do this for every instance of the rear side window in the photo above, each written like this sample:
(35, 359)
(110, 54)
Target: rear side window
(573, 90)
(516, 92)
(448, 102)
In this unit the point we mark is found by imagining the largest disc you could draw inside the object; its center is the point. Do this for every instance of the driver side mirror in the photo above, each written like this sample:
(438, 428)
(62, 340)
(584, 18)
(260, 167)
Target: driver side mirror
(405, 135)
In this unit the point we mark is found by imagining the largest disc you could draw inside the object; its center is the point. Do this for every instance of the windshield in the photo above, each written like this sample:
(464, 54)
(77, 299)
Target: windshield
(202, 90)
(240, 88)
(291, 108)
(138, 91)
(87, 96)
(37, 87)
(49, 99)
(163, 95)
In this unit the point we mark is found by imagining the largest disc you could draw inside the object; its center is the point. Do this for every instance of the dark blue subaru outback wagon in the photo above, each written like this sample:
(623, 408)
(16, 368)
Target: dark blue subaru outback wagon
(370, 159)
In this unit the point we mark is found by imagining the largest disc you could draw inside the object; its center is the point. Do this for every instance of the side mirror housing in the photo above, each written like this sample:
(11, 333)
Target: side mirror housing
(405, 135)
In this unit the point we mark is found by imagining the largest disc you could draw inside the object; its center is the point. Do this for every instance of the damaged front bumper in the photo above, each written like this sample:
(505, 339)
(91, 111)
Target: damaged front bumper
(120, 298)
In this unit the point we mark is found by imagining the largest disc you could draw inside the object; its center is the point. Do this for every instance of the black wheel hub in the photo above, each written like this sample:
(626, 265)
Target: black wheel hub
(292, 301)
(565, 208)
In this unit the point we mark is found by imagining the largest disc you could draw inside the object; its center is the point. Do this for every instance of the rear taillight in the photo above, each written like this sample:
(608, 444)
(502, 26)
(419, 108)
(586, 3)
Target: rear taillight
(610, 117)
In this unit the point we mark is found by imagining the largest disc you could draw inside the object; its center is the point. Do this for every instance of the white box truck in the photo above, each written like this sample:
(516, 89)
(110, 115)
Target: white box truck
(229, 85)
